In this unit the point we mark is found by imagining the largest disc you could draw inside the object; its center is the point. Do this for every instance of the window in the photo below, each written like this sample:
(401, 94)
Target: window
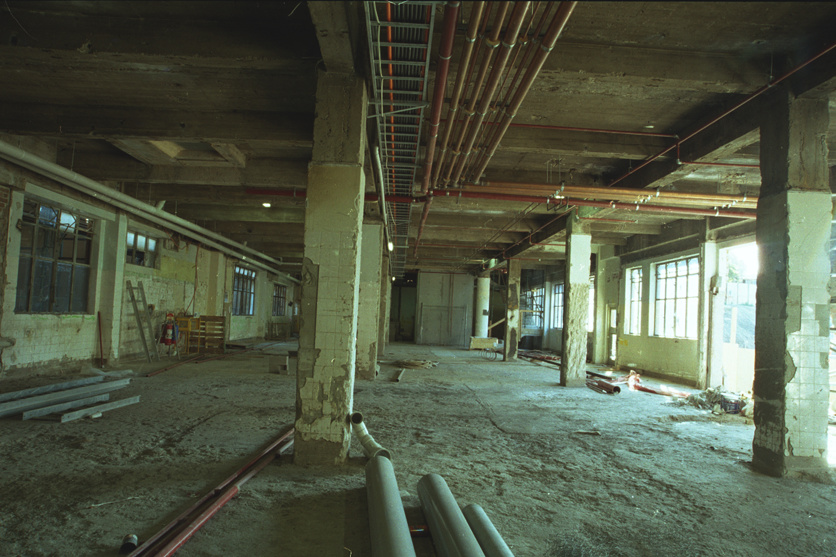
(142, 250)
(677, 298)
(532, 308)
(557, 306)
(633, 305)
(54, 272)
(279, 299)
(243, 291)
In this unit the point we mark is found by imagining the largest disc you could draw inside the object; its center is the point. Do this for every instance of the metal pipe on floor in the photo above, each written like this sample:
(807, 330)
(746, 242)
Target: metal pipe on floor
(388, 527)
(371, 448)
(450, 532)
(486, 533)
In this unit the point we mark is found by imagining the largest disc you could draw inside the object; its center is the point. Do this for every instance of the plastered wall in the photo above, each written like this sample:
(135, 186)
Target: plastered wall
(444, 309)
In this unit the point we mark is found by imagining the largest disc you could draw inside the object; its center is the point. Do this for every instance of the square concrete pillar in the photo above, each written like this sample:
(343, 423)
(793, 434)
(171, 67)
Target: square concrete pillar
(331, 273)
(793, 304)
(575, 304)
(512, 311)
(368, 324)
(385, 304)
(709, 264)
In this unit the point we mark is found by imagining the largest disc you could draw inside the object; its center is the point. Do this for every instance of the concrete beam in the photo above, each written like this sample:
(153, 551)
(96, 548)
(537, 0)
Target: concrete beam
(203, 212)
(292, 129)
(333, 33)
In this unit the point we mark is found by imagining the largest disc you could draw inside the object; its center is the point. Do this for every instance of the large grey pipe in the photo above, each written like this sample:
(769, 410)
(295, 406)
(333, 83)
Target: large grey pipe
(451, 534)
(388, 527)
(144, 210)
(486, 534)
(371, 448)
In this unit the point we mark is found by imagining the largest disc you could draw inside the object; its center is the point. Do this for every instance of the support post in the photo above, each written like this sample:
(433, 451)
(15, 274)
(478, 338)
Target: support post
(481, 313)
(385, 304)
(709, 268)
(793, 304)
(575, 303)
(512, 311)
(330, 272)
(368, 323)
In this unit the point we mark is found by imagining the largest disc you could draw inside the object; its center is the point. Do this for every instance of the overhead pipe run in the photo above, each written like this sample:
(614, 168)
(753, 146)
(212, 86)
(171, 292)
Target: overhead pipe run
(388, 528)
(451, 12)
(450, 532)
(148, 212)
(371, 448)
(561, 17)
(452, 108)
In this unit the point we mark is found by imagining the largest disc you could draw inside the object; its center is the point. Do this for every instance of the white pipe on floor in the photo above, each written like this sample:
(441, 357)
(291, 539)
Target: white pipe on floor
(370, 447)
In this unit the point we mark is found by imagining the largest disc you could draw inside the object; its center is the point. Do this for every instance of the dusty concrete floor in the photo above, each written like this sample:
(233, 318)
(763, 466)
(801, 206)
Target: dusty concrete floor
(658, 480)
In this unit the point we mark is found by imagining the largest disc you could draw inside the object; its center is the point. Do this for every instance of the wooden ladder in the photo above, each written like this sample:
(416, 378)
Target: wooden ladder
(143, 321)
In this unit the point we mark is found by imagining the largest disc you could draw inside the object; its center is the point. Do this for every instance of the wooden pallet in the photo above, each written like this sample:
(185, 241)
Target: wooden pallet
(207, 335)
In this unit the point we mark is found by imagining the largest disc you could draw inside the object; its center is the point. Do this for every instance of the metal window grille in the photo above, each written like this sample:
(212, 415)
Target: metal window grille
(142, 249)
(55, 251)
(557, 306)
(243, 291)
(633, 323)
(677, 298)
(279, 300)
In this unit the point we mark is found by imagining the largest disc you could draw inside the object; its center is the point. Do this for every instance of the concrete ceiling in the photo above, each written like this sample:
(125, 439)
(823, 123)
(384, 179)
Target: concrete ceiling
(210, 105)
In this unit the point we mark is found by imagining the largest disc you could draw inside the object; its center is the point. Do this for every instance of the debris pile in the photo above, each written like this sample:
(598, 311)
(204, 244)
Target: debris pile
(719, 400)
(415, 364)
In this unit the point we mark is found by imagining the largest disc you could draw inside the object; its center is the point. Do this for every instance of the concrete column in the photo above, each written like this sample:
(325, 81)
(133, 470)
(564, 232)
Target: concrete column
(793, 304)
(481, 314)
(368, 324)
(385, 304)
(709, 257)
(512, 311)
(111, 281)
(331, 272)
(575, 304)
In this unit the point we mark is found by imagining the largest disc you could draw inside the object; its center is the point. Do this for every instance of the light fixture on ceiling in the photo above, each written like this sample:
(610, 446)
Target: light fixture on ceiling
(393, 279)
(391, 246)
(265, 204)
(650, 126)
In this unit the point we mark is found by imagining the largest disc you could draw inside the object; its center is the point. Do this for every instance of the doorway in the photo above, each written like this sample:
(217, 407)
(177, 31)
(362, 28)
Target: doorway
(738, 286)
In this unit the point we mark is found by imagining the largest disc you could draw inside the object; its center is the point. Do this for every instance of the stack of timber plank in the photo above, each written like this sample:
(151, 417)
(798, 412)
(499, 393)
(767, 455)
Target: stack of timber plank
(55, 399)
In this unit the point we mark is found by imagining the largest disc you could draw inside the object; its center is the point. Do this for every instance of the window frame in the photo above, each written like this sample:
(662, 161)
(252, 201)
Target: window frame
(279, 300)
(73, 271)
(558, 291)
(243, 291)
(676, 317)
(149, 251)
(633, 299)
(532, 307)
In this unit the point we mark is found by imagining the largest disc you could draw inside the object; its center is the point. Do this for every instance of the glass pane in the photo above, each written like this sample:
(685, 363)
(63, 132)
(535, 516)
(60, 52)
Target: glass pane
(670, 318)
(48, 216)
(681, 287)
(693, 286)
(139, 257)
(62, 288)
(30, 208)
(659, 312)
(24, 273)
(42, 286)
(67, 222)
(694, 265)
(660, 290)
(680, 318)
(140, 241)
(83, 248)
(152, 244)
(682, 267)
(81, 280)
(46, 243)
(27, 235)
(65, 247)
(131, 239)
(693, 314)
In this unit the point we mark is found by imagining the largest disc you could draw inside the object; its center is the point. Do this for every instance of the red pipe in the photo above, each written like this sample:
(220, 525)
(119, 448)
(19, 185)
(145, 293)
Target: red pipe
(276, 445)
(561, 16)
(508, 43)
(716, 119)
(493, 43)
(451, 12)
(464, 65)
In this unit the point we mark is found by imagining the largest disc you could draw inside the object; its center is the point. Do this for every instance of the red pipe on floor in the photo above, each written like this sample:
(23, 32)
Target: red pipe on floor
(277, 444)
